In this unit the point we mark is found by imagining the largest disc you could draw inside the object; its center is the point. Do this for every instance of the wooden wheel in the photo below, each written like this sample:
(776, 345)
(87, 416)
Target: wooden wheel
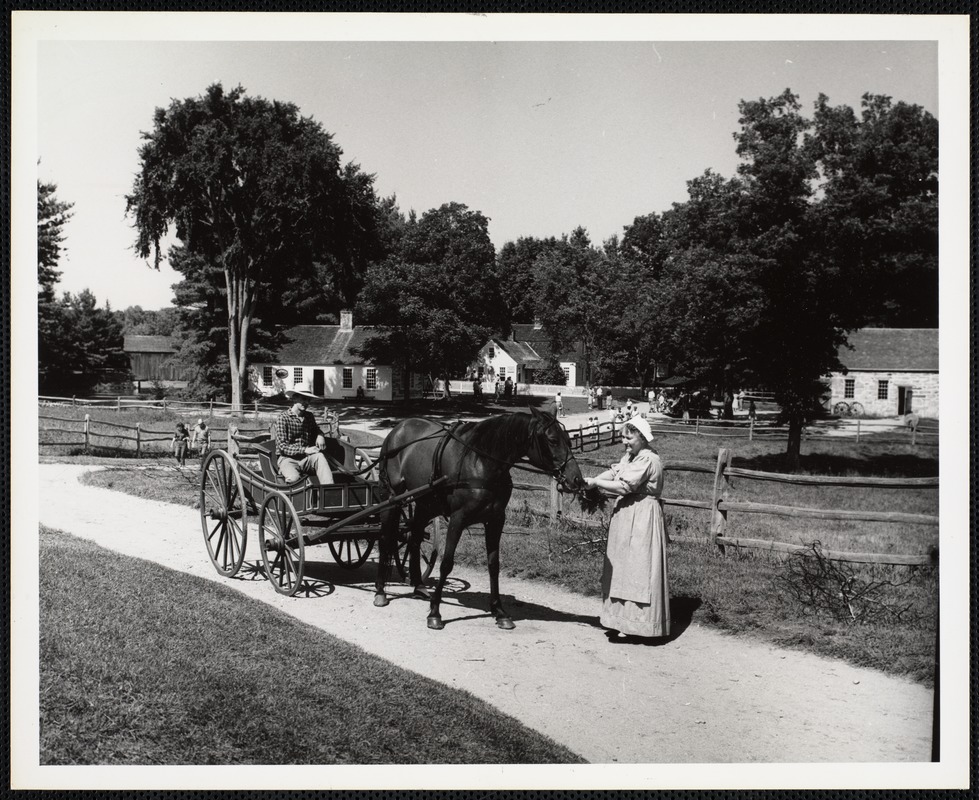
(224, 517)
(280, 538)
(856, 410)
(430, 549)
(351, 553)
(841, 409)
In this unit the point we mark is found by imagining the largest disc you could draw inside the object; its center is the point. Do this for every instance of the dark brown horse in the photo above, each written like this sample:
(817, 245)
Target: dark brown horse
(476, 459)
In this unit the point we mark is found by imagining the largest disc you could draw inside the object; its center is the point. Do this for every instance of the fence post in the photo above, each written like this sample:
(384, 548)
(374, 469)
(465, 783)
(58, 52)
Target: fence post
(118, 403)
(751, 430)
(718, 521)
(137, 440)
(88, 420)
(914, 433)
(555, 500)
(164, 403)
(256, 409)
(210, 409)
(73, 401)
(696, 426)
(858, 430)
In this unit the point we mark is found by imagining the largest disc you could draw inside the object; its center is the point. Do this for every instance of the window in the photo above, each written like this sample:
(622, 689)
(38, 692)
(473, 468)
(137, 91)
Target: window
(502, 373)
(348, 378)
(567, 375)
(266, 376)
(491, 353)
(297, 376)
(848, 388)
(882, 390)
(370, 379)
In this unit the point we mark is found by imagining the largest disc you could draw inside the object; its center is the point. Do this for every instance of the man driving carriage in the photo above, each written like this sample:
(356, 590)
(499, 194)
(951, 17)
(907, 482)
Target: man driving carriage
(299, 444)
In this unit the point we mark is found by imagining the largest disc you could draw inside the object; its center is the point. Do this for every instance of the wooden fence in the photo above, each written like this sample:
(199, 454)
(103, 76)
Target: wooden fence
(719, 507)
(210, 407)
(601, 434)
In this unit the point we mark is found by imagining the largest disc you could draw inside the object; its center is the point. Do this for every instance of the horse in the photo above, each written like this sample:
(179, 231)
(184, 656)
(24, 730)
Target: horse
(476, 458)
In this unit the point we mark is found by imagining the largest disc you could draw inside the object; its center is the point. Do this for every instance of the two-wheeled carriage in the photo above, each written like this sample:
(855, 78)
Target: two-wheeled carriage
(344, 515)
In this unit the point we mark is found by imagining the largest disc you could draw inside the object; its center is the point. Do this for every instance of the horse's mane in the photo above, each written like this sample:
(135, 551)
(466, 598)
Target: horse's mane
(500, 434)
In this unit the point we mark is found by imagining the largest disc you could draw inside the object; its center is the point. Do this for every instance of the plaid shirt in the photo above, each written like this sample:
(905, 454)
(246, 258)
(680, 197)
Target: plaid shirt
(294, 433)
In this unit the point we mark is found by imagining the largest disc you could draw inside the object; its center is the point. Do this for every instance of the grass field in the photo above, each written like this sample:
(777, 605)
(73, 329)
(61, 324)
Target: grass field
(744, 592)
(143, 665)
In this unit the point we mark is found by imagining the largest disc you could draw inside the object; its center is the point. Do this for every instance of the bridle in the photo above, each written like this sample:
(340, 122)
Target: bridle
(557, 472)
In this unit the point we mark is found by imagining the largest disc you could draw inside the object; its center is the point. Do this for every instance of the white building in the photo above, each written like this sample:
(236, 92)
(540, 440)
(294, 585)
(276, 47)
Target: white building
(319, 360)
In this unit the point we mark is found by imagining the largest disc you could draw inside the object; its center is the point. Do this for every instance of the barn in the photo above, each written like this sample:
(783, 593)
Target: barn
(151, 361)
(322, 360)
(889, 371)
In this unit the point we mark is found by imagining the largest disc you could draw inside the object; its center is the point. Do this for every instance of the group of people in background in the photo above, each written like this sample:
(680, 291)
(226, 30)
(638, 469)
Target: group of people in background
(197, 439)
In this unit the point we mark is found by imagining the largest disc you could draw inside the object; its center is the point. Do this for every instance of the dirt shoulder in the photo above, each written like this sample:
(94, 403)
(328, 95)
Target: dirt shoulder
(702, 697)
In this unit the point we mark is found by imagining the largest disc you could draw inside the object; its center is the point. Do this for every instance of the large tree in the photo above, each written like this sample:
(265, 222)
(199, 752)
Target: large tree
(257, 192)
(437, 299)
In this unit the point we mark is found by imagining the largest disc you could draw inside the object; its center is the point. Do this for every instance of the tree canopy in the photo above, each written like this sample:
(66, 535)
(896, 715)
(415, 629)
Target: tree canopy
(257, 192)
(437, 299)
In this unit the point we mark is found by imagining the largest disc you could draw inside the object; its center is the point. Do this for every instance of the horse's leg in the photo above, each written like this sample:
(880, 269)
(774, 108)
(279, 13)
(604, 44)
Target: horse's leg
(417, 532)
(494, 530)
(389, 531)
(452, 535)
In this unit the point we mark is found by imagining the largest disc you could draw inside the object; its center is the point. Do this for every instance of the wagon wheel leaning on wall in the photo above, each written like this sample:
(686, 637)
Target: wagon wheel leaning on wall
(841, 409)
(856, 410)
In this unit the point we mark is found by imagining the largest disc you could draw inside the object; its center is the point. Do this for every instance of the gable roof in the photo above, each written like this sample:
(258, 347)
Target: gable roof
(892, 350)
(521, 352)
(538, 339)
(528, 332)
(322, 344)
(141, 343)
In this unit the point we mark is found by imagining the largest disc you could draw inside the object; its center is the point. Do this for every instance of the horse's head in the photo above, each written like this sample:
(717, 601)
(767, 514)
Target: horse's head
(550, 451)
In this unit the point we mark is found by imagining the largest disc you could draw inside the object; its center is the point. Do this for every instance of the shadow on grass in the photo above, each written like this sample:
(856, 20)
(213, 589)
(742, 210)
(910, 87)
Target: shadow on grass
(869, 463)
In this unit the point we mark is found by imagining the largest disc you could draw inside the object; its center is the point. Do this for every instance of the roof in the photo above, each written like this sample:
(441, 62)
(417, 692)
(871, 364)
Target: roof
(322, 344)
(139, 343)
(521, 352)
(528, 332)
(891, 350)
(539, 340)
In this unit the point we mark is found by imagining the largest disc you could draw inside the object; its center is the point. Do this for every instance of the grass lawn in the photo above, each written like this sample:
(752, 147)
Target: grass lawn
(143, 665)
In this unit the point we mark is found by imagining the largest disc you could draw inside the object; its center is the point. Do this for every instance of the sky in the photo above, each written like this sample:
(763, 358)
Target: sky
(539, 136)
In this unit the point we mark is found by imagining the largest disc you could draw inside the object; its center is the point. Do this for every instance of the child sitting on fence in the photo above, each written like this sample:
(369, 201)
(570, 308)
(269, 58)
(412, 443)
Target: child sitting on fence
(181, 439)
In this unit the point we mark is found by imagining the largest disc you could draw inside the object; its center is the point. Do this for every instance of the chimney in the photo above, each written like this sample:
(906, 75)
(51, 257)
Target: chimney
(346, 320)
(537, 324)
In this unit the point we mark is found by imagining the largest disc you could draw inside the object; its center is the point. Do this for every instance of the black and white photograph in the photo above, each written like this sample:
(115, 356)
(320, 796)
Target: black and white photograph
(490, 401)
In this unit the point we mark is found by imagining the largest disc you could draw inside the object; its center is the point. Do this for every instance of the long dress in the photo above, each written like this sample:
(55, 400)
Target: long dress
(635, 583)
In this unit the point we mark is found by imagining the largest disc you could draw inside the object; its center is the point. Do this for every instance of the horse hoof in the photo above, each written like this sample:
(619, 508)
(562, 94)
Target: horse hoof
(506, 623)
(435, 623)
(380, 600)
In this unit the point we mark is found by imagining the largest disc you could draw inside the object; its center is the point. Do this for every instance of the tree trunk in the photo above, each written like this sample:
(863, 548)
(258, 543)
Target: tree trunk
(794, 444)
(240, 309)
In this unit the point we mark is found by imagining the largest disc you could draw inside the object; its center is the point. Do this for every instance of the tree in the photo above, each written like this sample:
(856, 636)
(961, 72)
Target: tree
(515, 267)
(52, 216)
(257, 192)
(878, 220)
(437, 300)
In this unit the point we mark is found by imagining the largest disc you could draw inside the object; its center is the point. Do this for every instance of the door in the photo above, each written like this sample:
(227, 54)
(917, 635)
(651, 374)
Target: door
(904, 395)
(319, 382)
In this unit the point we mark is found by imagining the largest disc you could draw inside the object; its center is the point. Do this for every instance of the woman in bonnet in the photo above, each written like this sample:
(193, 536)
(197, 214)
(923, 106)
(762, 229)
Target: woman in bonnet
(635, 584)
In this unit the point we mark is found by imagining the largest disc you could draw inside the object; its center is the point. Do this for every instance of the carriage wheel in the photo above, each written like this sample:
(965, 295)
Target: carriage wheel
(280, 538)
(431, 547)
(351, 553)
(224, 518)
(841, 409)
(856, 410)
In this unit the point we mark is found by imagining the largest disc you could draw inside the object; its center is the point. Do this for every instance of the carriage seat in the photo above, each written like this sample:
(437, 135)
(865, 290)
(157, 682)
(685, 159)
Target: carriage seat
(340, 455)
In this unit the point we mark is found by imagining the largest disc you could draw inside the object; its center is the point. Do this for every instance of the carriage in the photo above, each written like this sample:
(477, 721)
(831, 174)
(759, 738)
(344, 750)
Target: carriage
(242, 483)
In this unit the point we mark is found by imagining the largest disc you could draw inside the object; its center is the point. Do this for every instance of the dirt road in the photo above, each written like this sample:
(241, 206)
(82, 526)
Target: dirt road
(703, 697)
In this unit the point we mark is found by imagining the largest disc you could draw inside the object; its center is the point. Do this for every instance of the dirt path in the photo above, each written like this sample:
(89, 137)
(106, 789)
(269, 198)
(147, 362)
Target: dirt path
(704, 697)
